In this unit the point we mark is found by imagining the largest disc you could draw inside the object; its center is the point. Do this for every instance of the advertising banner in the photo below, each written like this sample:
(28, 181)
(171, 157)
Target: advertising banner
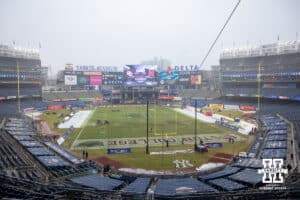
(200, 103)
(234, 128)
(68, 99)
(216, 106)
(187, 68)
(279, 85)
(231, 107)
(97, 68)
(119, 151)
(83, 80)
(196, 79)
(72, 72)
(247, 108)
(168, 75)
(92, 73)
(98, 99)
(55, 107)
(86, 99)
(166, 97)
(95, 80)
(177, 98)
(70, 80)
(214, 145)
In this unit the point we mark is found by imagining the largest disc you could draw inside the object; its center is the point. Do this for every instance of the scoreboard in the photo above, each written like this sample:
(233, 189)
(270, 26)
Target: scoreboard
(112, 78)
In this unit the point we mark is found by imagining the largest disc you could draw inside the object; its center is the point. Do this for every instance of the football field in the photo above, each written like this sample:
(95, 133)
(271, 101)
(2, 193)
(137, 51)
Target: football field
(130, 122)
(110, 127)
(125, 127)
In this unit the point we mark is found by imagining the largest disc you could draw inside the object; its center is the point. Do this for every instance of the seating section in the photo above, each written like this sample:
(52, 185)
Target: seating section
(61, 95)
(57, 161)
(180, 187)
(137, 189)
(274, 93)
(98, 182)
(248, 163)
(275, 145)
(205, 93)
(225, 172)
(254, 149)
(247, 176)
(227, 185)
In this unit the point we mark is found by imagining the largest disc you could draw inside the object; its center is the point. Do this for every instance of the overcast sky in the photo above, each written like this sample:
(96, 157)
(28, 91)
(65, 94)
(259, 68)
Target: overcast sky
(119, 32)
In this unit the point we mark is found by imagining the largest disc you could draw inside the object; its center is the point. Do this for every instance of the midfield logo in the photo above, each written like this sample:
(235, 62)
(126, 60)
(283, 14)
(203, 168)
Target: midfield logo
(272, 171)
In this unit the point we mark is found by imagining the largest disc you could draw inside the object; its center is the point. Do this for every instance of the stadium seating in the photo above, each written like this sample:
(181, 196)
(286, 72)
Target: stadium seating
(225, 172)
(98, 182)
(227, 185)
(137, 189)
(247, 176)
(55, 95)
(180, 187)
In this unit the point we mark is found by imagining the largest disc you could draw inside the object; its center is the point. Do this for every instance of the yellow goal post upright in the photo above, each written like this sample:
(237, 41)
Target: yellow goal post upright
(155, 115)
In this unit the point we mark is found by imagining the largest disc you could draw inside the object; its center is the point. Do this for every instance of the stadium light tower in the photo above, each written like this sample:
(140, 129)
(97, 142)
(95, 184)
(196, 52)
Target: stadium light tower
(195, 128)
(147, 128)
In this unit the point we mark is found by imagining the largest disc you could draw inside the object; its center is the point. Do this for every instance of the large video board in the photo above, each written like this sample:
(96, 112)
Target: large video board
(168, 77)
(145, 75)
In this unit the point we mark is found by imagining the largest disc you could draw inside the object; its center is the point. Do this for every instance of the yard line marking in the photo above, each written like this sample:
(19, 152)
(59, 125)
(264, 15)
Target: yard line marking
(84, 125)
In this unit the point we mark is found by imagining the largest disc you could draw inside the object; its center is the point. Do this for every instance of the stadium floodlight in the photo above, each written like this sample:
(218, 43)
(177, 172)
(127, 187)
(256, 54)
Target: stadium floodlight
(147, 128)
(195, 128)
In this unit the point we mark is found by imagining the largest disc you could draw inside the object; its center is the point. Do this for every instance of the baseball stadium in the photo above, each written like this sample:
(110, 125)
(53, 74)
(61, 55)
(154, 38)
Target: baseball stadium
(143, 131)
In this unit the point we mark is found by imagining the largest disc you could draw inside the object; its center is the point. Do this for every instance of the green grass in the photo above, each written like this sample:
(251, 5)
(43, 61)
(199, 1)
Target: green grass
(52, 117)
(138, 158)
(130, 122)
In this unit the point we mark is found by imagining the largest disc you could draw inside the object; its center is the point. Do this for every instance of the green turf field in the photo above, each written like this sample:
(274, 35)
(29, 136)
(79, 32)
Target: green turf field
(108, 124)
(127, 122)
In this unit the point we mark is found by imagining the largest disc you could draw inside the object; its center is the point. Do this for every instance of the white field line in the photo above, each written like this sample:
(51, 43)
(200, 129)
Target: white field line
(84, 125)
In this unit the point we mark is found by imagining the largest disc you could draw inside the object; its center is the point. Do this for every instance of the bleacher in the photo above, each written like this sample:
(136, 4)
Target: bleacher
(227, 185)
(205, 93)
(181, 187)
(98, 182)
(57, 161)
(275, 145)
(247, 176)
(225, 172)
(137, 189)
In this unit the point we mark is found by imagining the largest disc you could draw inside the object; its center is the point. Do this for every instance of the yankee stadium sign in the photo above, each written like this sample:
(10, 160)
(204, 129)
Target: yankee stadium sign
(187, 68)
(97, 68)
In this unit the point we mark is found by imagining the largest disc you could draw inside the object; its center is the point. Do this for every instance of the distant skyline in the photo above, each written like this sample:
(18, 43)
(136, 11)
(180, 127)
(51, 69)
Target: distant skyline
(120, 32)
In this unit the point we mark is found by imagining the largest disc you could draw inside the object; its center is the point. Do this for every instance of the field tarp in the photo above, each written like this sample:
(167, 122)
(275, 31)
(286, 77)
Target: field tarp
(77, 120)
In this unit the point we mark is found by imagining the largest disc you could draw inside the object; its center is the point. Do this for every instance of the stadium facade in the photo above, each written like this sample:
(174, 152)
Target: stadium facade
(270, 71)
(134, 83)
(20, 65)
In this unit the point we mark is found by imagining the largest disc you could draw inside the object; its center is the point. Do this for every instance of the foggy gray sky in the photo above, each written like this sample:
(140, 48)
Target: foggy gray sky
(119, 32)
